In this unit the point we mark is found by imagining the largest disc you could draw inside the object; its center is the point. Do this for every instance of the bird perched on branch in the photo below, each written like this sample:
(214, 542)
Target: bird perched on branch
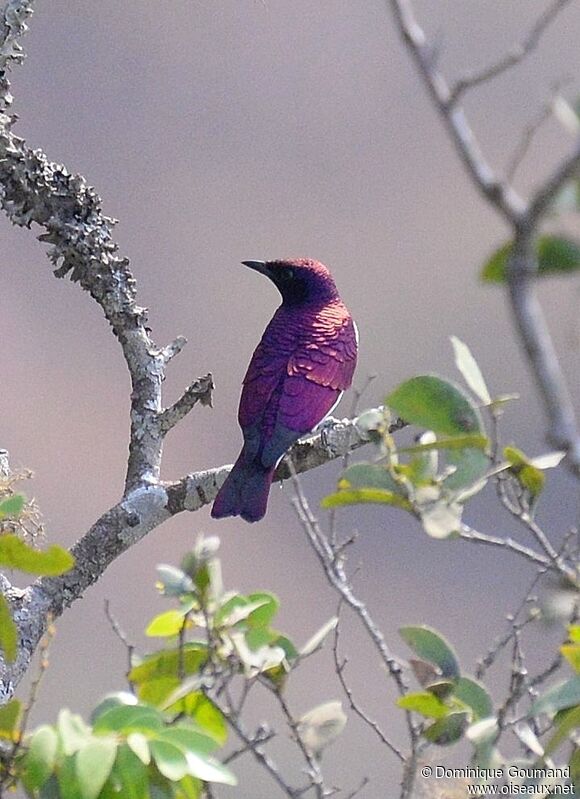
(300, 368)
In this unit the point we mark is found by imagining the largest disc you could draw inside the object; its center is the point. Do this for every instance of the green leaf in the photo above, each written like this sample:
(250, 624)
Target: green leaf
(166, 663)
(556, 255)
(567, 724)
(69, 787)
(559, 697)
(528, 476)
(475, 696)
(8, 631)
(363, 496)
(208, 769)
(138, 744)
(425, 703)
(237, 609)
(189, 788)
(470, 370)
(169, 759)
(368, 483)
(93, 765)
(178, 744)
(572, 654)
(209, 717)
(475, 440)
(369, 475)
(117, 699)
(264, 613)
(470, 466)
(128, 718)
(448, 730)
(132, 774)
(430, 646)
(9, 719)
(441, 688)
(157, 691)
(73, 732)
(174, 581)
(40, 758)
(167, 624)
(435, 404)
(16, 554)
(187, 738)
(574, 633)
(316, 640)
(12, 506)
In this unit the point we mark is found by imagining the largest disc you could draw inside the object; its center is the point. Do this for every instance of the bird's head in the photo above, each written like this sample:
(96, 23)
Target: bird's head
(299, 280)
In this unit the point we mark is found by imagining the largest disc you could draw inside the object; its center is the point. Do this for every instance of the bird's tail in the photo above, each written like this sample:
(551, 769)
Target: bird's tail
(245, 491)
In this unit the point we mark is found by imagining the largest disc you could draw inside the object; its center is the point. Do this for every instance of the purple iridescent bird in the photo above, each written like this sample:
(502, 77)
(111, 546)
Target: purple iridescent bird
(300, 368)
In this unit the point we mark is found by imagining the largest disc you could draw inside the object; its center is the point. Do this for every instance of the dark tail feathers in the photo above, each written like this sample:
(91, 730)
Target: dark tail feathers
(245, 491)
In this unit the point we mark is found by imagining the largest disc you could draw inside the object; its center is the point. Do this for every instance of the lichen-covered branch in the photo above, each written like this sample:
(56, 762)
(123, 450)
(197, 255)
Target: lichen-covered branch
(140, 511)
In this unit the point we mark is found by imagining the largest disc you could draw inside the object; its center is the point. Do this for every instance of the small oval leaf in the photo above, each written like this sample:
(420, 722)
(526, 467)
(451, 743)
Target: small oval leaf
(431, 646)
(16, 554)
(436, 404)
(556, 255)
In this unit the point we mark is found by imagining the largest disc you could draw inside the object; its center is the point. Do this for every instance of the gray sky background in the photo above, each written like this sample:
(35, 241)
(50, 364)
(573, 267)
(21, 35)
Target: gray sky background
(234, 129)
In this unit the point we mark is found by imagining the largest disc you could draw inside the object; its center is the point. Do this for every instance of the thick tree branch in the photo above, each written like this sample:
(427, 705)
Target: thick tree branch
(34, 189)
(139, 512)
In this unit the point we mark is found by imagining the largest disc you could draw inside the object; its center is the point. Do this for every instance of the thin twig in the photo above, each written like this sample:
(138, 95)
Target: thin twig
(314, 771)
(511, 59)
(124, 640)
(260, 755)
(499, 194)
(261, 736)
(356, 791)
(340, 666)
(527, 137)
(334, 570)
(469, 534)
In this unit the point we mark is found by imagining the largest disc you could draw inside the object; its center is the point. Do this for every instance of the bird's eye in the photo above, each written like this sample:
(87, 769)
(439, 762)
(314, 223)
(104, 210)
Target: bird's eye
(290, 273)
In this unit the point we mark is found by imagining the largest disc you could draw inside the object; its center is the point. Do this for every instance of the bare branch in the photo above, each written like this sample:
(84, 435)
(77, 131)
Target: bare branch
(469, 534)
(174, 348)
(523, 218)
(529, 132)
(335, 573)
(121, 635)
(255, 746)
(514, 57)
(199, 391)
(340, 665)
(314, 772)
(500, 195)
(534, 334)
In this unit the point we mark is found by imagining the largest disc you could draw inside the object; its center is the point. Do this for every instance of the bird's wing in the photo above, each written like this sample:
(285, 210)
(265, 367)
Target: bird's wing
(293, 381)
(267, 369)
(328, 356)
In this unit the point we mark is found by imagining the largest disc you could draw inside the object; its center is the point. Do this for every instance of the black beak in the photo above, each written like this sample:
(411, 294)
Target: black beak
(257, 266)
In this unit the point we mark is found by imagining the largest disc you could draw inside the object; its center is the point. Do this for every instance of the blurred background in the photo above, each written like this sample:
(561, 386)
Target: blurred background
(221, 131)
